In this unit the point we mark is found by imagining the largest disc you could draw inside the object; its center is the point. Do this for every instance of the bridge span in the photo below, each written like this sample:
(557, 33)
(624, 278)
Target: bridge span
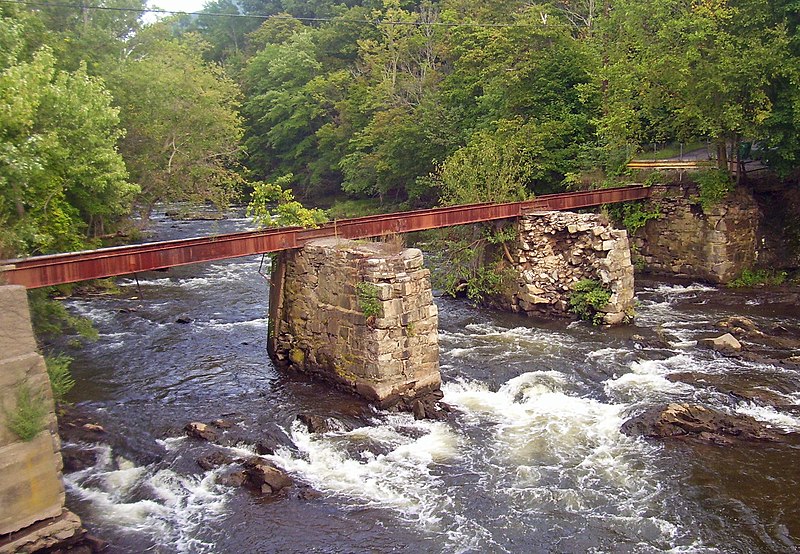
(42, 271)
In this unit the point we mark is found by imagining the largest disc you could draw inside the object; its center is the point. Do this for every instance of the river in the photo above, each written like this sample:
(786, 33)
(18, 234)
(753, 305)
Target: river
(532, 461)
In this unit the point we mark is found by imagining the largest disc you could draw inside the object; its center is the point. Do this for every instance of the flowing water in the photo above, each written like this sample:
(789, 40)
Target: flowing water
(532, 461)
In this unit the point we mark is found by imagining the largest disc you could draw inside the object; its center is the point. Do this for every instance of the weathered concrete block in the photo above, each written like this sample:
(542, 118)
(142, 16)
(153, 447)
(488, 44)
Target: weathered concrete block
(16, 333)
(30, 480)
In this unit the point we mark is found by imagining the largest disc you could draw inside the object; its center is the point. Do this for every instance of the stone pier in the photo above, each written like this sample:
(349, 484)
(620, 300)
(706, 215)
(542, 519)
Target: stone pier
(32, 514)
(556, 250)
(359, 315)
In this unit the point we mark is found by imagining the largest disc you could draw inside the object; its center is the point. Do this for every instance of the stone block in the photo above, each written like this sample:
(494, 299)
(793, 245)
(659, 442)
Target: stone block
(30, 484)
(16, 333)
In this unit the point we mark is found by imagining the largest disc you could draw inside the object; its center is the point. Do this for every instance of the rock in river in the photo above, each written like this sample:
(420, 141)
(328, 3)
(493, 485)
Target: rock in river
(700, 423)
(723, 343)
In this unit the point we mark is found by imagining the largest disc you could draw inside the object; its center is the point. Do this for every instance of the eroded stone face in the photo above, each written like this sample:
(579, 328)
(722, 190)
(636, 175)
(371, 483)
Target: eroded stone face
(360, 315)
(687, 242)
(558, 249)
(30, 471)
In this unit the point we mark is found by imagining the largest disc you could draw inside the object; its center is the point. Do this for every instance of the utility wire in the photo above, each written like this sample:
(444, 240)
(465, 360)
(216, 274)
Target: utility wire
(377, 21)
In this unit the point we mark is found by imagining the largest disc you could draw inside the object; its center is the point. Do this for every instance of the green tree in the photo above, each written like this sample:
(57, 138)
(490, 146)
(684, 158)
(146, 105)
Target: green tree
(182, 120)
(62, 180)
(700, 69)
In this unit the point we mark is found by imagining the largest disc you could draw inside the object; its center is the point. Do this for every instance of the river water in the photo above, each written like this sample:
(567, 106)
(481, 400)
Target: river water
(532, 461)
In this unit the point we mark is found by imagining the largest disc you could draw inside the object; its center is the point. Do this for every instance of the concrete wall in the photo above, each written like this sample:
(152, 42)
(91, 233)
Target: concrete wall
(30, 472)
(558, 249)
(715, 245)
(318, 323)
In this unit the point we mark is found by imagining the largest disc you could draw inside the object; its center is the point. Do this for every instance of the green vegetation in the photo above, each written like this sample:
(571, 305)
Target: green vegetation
(50, 317)
(287, 211)
(475, 261)
(368, 299)
(633, 215)
(61, 381)
(714, 186)
(28, 418)
(588, 299)
(759, 277)
(374, 105)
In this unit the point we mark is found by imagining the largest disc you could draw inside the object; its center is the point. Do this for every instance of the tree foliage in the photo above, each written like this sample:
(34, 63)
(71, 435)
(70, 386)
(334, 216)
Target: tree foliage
(62, 180)
(182, 120)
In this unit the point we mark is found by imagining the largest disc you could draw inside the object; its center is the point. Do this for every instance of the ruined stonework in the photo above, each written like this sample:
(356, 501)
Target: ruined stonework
(319, 325)
(715, 245)
(31, 489)
(559, 249)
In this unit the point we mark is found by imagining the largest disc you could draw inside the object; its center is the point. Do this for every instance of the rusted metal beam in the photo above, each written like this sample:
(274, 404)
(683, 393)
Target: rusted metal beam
(42, 271)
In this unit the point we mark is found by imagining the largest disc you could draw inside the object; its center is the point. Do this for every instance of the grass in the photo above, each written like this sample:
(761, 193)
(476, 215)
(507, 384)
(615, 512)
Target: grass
(665, 151)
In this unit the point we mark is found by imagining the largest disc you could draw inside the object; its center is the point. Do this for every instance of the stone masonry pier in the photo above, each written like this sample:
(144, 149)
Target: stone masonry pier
(359, 315)
(556, 250)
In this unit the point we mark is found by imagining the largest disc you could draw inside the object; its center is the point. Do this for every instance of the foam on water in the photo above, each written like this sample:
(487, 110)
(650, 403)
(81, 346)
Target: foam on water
(400, 479)
(771, 416)
(551, 452)
(174, 507)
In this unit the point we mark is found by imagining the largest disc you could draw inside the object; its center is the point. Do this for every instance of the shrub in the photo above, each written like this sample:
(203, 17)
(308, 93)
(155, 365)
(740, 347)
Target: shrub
(588, 299)
(28, 419)
(61, 380)
(714, 185)
(368, 299)
(758, 277)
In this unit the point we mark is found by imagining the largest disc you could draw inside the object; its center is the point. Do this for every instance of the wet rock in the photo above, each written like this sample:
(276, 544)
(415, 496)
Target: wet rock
(740, 326)
(426, 406)
(264, 448)
(200, 431)
(183, 320)
(725, 343)
(76, 427)
(314, 423)
(235, 477)
(214, 460)
(656, 343)
(700, 423)
(265, 477)
(307, 493)
(77, 458)
(222, 424)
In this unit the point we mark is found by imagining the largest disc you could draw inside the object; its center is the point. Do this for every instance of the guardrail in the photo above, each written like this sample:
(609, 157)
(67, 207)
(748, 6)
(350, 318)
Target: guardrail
(670, 164)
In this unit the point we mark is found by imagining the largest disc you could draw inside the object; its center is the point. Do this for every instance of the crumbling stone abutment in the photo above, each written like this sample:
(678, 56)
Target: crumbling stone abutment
(556, 250)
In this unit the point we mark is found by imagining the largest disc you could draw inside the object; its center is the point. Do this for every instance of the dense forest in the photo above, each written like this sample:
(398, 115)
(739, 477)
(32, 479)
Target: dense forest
(370, 105)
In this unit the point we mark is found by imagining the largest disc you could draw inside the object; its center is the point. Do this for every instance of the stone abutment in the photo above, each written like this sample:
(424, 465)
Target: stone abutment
(32, 514)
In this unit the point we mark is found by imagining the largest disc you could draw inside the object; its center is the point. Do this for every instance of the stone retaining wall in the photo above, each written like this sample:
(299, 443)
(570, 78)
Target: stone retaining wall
(31, 489)
(556, 250)
(715, 245)
(319, 326)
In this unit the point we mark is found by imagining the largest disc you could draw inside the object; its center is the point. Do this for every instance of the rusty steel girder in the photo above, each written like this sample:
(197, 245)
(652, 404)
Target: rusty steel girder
(42, 271)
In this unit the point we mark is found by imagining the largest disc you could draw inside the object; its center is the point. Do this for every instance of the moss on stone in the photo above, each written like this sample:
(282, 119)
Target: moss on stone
(297, 356)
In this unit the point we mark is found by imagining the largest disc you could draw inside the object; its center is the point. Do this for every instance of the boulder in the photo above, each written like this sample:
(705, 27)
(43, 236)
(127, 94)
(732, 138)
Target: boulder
(314, 423)
(265, 477)
(77, 458)
(200, 431)
(700, 423)
(214, 460)
(723, 343)
(233, 477)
